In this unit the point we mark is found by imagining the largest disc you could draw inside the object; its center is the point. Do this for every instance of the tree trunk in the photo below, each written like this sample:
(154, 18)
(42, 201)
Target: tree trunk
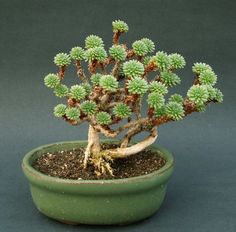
(93, 146)
(102, 159)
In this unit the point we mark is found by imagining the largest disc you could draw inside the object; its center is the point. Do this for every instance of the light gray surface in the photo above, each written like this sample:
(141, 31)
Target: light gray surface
(202, 193)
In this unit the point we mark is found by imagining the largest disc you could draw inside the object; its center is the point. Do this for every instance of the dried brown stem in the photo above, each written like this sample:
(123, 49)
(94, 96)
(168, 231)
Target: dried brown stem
(80, 71)
(92, 66)
(116, 37)
(149, 68)
(130, 53)
(137, 108)
(189, 107)
(61, 72)
(115, 69)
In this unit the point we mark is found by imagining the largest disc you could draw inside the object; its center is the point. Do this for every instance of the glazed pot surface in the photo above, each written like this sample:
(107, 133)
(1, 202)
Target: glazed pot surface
(99, 202)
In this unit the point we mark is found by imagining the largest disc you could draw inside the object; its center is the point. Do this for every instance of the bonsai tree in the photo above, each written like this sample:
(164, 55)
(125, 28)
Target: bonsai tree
(110, 95)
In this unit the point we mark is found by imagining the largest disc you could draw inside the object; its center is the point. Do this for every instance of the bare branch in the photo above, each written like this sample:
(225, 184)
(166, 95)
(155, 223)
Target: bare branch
(107, 131)
(80, 72)
(134, 149)
(131, 132)
(116, 37)
(61, 72)
(115, 69)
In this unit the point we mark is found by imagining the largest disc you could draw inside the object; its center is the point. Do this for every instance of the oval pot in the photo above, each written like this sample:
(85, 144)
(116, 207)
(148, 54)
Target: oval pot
(104, 202)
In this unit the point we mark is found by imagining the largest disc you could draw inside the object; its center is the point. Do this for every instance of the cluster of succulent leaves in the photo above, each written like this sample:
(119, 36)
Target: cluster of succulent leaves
(121, 110)
(132, 69)
(204, 91)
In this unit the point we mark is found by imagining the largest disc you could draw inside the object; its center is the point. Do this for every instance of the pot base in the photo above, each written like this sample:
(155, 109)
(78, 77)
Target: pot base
(68, 222)
(77, 223)
(96, 202)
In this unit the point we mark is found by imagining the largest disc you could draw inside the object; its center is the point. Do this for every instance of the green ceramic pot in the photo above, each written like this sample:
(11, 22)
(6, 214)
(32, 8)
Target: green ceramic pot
(119, 201)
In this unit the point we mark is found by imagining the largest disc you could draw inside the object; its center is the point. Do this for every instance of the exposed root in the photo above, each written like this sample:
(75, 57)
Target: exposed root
(122, 152)
(102, 164)
(101, 160)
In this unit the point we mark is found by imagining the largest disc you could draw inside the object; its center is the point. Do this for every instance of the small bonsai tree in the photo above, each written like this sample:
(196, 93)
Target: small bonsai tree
(111, 94)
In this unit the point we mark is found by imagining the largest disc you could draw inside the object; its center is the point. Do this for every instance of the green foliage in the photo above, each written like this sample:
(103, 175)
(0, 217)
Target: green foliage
(211, 92)
(146, 60)
(200, 67)
(137, 85)
(198, 94)
(133, 68)
(219, 96)
(201, 107)
(207, 77)
(160, 111)
(93, 41)
(72, 113)
(119, 26)
(118, 52)
(121, 110)
(77, 53)
(52, 80)
(103, 118)
(175, 110)
(77, 92)
(149, 44)
(176, 98)
(87, 87)
(169, 79)
(96, 53)
(162, 60)
(214, 94)
(158, 87)
(177, 61)
(130, 69)
(155, 100)
(60, 110)
(61, 91)
(88, 107)
(108, 82)
(140, 48)
(95, 78)
(62, 59)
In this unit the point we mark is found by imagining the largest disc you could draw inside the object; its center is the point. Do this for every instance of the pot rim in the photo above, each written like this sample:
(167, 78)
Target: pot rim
(27, 167)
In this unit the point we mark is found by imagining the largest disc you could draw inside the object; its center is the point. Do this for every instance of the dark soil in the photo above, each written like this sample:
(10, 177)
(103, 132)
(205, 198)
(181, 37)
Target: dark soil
(69, 165)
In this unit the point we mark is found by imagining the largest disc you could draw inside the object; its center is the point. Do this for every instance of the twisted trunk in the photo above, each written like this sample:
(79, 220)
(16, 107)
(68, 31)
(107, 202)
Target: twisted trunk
(123, 152)
(102, 159)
